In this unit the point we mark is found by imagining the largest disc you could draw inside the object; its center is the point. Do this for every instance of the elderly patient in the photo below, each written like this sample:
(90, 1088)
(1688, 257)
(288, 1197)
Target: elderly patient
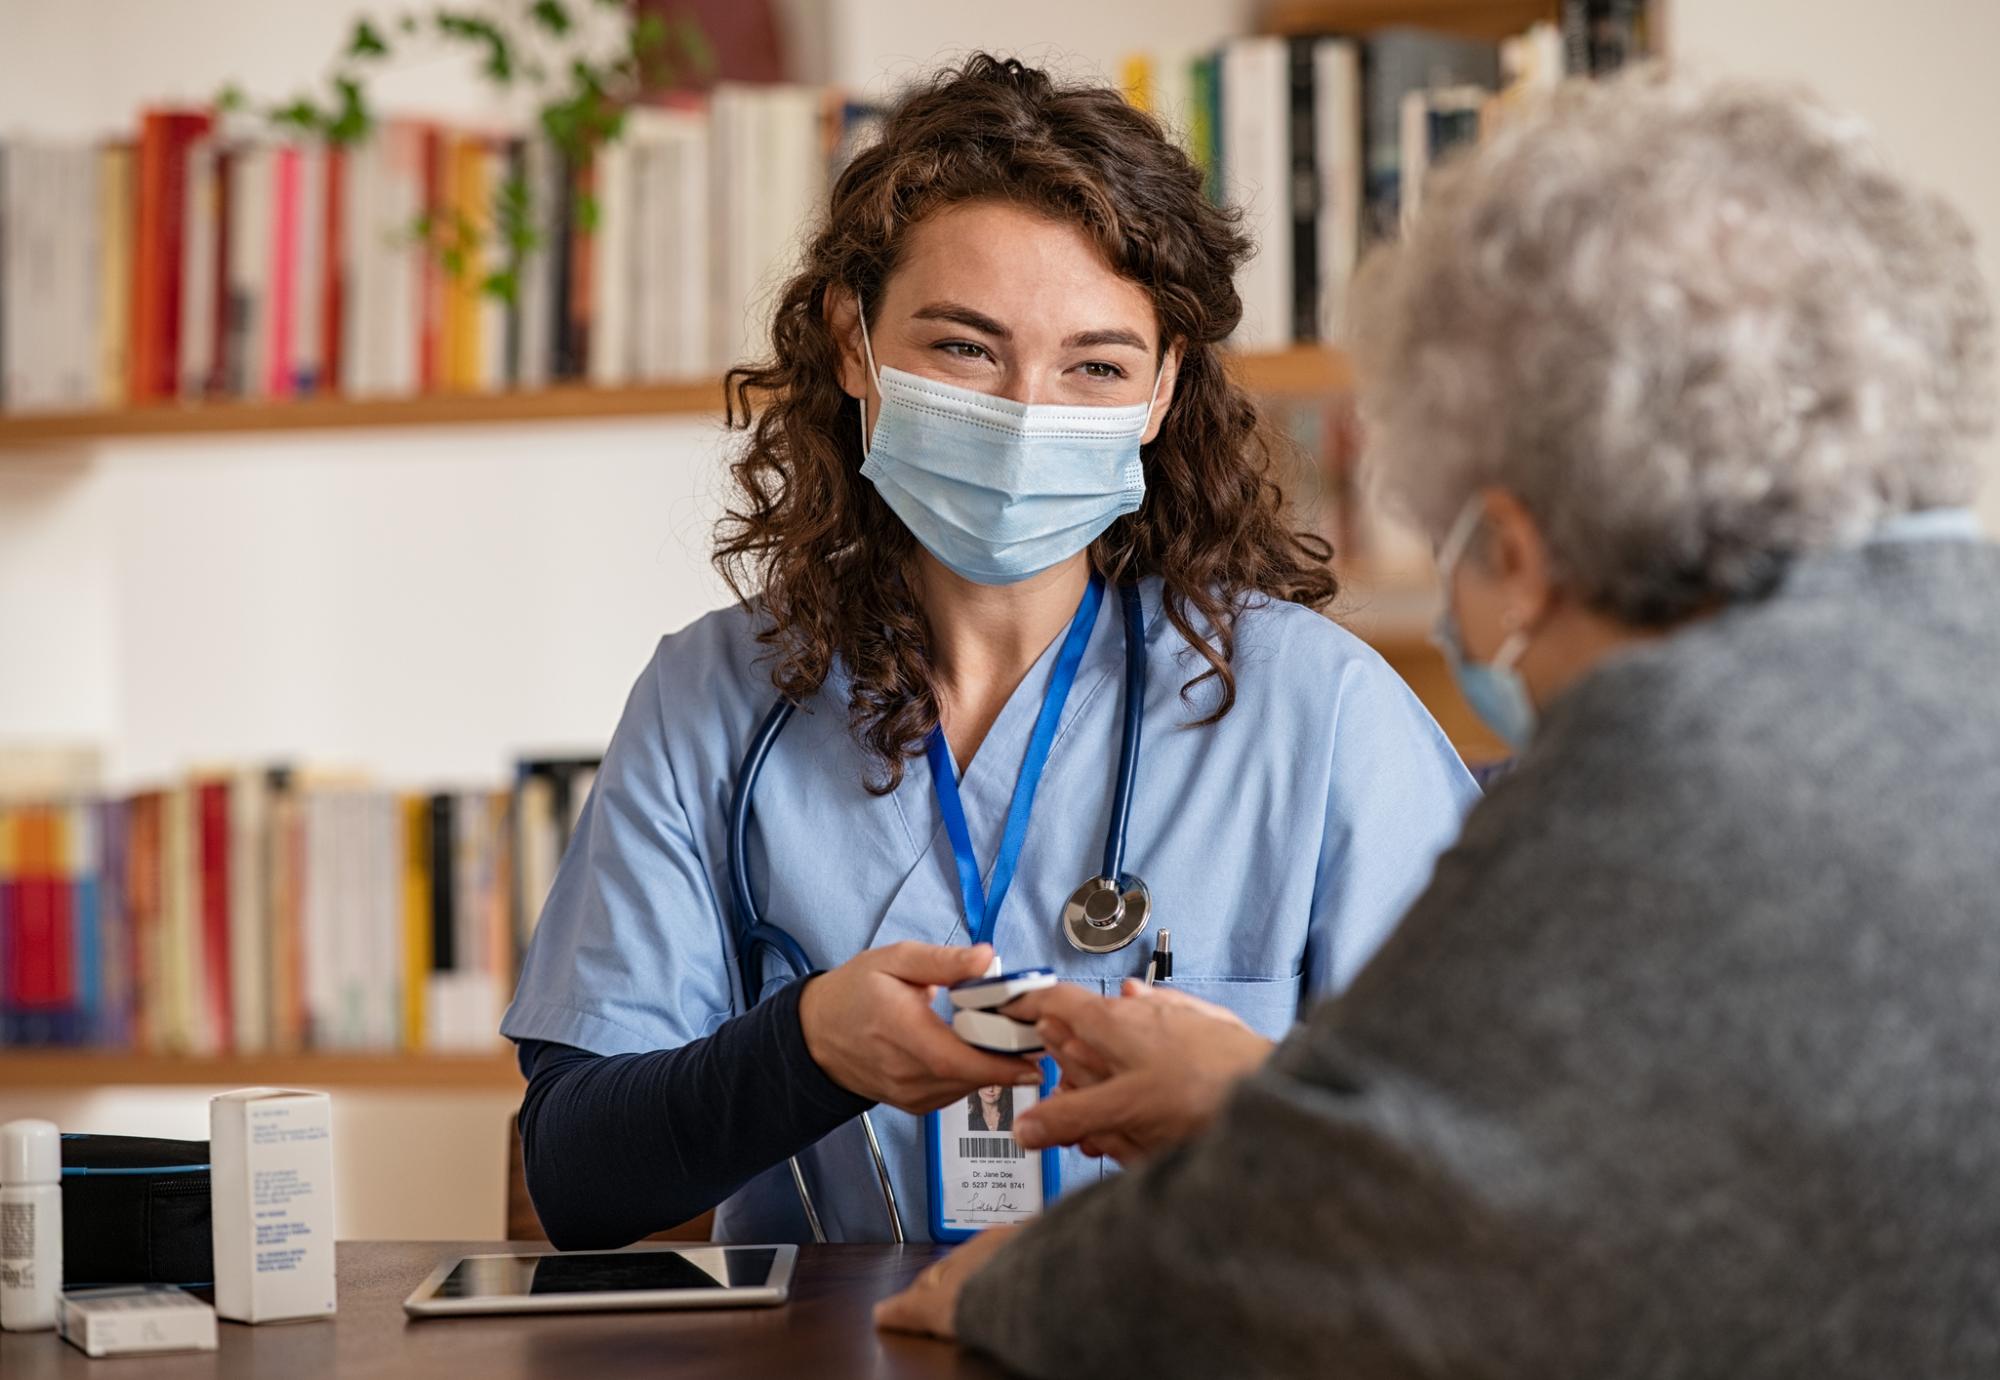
(1688, 1061)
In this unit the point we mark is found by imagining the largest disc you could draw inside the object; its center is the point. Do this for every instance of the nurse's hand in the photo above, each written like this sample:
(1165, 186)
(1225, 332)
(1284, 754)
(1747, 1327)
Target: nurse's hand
(1141, 1072)
(871, 1025)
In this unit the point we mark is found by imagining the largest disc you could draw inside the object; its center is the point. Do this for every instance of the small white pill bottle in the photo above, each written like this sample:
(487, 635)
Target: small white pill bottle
(31, 1228)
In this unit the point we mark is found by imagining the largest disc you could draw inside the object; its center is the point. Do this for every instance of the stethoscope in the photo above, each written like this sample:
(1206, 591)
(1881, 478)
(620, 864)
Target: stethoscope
(1101, 916)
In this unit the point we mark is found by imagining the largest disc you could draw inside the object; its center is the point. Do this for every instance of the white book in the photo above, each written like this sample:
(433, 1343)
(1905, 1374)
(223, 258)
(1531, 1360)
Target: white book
(13, 302)
(318, 922)
(735, 175)
(536, 309)
(1173, 94)
(611, 268)
(71, 376)
(537, 849)
(309, 270)
(492, 308)
(198, 286)
(1337, 146)
(672, 211)
(382, 920)
(692, 352)
(75, 375)
(35, 281)
(401, 290)
(1414, 138)
(249, 271)
(1256, 161)
(394, 942)
(186, 993)
(644, 245)
(249, 925)
(360, 267)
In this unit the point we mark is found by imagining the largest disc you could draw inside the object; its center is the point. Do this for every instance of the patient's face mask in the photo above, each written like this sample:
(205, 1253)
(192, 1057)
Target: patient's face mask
(1494, 689)
(1000, 490)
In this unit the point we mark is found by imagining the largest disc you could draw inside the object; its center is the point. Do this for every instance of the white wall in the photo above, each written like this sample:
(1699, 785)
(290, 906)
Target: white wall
(874, 44)
(1920, 71)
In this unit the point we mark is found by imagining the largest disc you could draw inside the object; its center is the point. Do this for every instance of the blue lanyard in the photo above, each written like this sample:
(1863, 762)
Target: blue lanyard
(982, 907)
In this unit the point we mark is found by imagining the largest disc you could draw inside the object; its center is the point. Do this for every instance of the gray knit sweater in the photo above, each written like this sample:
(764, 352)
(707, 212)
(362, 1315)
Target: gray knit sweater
(1686, 1065)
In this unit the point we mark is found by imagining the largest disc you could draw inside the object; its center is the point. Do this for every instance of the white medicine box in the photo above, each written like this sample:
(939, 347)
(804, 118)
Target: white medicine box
(271, 1183)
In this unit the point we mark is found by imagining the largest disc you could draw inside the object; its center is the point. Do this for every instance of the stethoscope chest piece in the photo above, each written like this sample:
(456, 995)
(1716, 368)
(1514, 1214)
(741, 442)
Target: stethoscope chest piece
(1103, 916)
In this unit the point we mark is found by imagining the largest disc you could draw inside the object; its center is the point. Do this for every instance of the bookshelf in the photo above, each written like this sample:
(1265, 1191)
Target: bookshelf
(1300, 372)
(72, 1070)
(1487, 19)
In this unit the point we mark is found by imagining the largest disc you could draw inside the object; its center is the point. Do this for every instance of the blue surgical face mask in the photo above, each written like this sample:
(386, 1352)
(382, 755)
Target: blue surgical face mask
(1494, 689)
(1000, 490)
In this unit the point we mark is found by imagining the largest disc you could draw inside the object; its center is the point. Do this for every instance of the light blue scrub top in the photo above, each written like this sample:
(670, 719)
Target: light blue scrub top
(1281, 846)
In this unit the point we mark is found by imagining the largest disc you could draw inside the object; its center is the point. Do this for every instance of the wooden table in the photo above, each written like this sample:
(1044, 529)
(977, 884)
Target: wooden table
(824, 1331)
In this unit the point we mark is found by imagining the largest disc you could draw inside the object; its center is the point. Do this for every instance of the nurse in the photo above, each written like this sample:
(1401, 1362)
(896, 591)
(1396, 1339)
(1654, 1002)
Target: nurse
(999, 506)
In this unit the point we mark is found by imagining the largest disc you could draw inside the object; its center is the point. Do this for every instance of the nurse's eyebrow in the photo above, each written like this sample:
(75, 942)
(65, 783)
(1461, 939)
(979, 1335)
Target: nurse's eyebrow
(1091, 340)
(963, 316)
(979, 321)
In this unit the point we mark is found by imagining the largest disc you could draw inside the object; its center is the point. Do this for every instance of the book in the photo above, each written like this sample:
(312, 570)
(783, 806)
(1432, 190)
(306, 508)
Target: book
(613, 243)
(264, 910)
(1338, 169)
(164, 139)
(212, 825)
(200, 260)
(1303, 188)
(309, 269)
(1256, 162)
(1396, 62)
(114, 281)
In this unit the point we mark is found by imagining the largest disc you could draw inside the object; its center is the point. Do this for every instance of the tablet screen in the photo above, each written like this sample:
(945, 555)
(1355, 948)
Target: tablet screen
(609, 1272)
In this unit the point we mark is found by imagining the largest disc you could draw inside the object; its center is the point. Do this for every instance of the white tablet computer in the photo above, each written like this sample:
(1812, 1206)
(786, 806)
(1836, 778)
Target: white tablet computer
(592, 1281)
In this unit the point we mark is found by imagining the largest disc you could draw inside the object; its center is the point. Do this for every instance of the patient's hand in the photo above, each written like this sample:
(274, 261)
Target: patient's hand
(1141, 1072)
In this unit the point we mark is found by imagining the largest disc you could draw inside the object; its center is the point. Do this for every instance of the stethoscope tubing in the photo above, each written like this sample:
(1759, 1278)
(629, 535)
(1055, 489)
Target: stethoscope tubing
(1128, 740)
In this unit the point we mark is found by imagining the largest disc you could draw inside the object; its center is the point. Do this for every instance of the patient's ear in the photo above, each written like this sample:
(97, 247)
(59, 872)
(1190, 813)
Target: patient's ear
(1512, 554)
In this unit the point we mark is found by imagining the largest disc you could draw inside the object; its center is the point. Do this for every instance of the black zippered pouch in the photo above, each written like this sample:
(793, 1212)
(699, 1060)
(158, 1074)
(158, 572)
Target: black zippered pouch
(135, 1211)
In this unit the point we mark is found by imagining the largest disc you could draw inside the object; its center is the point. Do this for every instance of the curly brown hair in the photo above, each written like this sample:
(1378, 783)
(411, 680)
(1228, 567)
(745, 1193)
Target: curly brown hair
(812, 538)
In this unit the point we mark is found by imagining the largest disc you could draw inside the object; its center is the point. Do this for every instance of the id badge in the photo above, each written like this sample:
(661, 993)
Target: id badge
(980, 1176)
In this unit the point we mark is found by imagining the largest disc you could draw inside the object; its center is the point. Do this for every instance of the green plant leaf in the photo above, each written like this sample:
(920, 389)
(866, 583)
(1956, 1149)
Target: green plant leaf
(351, 121)
(367, 41)
(586, 211)
(694, 45)
(301, 115)
(230, 99)
(552, 15)
(504, 283)
(477, 29)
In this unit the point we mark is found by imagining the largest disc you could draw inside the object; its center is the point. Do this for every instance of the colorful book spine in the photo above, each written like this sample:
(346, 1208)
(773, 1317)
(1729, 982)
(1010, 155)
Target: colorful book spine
(284, 272)
(212, 829)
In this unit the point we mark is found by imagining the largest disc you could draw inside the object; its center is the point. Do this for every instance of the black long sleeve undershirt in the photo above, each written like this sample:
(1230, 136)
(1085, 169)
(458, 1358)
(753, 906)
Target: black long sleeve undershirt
(620, 1146)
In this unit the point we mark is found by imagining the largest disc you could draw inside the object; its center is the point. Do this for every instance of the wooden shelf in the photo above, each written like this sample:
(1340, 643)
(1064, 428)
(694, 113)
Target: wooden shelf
(76, 1070)
(1288, 373)
(1485, 19)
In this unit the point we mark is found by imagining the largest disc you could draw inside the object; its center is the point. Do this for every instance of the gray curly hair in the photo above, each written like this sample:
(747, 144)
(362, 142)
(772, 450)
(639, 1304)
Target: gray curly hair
(1696, 328)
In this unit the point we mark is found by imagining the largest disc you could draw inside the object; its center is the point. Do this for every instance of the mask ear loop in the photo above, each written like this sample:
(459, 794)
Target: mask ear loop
(868, 353)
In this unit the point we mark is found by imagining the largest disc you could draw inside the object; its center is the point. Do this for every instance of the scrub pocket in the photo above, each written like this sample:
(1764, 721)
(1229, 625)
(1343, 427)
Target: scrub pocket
(1269, 1006)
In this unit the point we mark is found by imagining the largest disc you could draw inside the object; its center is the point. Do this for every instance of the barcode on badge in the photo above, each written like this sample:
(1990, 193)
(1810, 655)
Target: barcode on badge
(989, 1148)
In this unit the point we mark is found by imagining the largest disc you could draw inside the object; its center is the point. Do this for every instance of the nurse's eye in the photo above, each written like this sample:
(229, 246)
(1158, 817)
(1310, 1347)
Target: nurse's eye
(1102, 370)
(964, 349)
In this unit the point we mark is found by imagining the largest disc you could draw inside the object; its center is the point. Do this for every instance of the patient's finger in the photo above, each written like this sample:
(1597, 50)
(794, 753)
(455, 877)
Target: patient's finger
(1068, 1117)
